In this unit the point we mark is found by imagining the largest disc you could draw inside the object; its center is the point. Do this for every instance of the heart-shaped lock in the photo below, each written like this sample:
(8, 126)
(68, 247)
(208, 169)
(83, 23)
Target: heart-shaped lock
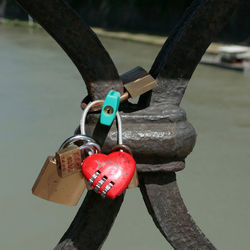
(110, 174)
(114, 172)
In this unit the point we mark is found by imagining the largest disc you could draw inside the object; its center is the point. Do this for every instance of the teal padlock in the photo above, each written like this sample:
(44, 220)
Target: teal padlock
(110, 107)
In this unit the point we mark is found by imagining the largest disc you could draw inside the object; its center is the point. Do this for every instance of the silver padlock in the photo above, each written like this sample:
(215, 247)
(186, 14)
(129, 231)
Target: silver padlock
(70, 156)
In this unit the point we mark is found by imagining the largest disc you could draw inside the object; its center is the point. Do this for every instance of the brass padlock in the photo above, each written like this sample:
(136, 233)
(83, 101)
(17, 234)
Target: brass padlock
(140, 82)
(69, 160)
(50, 186)
(136, 82)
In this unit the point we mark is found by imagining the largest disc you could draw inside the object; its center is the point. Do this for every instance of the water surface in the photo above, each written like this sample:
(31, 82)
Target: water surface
(40, 96)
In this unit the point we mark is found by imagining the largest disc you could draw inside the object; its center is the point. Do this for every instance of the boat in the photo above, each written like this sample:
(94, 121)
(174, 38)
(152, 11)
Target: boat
(230, 57)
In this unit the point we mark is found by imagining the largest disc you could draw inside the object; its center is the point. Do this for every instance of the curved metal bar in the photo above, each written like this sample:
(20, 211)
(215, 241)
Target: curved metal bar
(164, 203)
(100, 75)
(92, 223)
(185, 46)
(79, 42)
(173, 69)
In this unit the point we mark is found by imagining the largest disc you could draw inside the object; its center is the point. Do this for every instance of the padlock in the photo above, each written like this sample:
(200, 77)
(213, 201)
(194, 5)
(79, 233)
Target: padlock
(110, 174)
(69, 157)
(136, 82)
(110, 107)
(138, 87)
(51, 186)
(69, 160)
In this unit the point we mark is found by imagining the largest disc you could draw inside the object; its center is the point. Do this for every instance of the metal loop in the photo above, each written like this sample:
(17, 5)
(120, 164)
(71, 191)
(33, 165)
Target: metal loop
(96, 146)
(84, 115)
(76, 138)
(93, 147)
(87, 148)
(122, 147)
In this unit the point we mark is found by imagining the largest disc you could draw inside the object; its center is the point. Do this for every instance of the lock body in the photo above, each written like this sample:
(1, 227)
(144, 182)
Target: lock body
(140, 86)
(115, 170)
(50, 186)
(61, 179)
(110, 107)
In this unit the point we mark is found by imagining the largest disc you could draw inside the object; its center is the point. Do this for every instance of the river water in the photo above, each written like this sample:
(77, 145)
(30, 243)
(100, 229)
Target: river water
(40, 95)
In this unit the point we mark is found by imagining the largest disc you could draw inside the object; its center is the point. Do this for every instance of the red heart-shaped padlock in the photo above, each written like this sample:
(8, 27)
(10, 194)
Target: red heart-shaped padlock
(115, 170)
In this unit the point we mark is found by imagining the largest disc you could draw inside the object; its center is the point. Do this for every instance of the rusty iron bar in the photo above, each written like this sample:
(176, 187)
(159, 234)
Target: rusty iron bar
(79, 42)
(186, 44)
(160, 131)
(86, 231)
(164, 203)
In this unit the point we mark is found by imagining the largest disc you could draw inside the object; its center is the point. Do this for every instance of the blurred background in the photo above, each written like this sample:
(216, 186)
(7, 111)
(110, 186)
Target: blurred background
(150, 16)
(40, 97)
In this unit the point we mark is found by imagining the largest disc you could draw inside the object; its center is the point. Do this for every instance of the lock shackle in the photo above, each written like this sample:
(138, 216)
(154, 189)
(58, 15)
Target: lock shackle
(76, 138)
(94, 147)
(84, 115)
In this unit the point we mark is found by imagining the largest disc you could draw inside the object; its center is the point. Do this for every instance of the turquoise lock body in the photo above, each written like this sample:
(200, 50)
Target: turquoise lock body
(110, 107)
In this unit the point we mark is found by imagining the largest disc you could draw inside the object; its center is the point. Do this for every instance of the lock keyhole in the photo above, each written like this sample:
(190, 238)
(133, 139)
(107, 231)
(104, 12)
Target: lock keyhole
(108, 110)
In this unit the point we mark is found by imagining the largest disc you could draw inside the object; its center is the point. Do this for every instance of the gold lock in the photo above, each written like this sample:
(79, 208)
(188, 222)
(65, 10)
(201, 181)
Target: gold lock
(140, 86)
(69, 160)
(136, 82)
(50, 186)
(64, 187)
